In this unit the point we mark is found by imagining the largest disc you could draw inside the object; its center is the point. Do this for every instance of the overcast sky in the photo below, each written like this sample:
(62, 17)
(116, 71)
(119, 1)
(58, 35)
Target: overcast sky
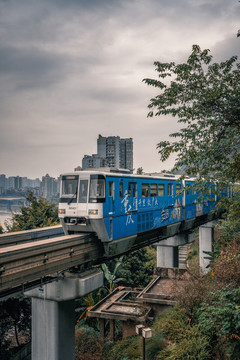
(73, 69)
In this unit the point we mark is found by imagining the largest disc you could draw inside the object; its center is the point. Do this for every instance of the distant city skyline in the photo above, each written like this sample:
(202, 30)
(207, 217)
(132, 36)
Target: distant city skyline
(70, 70)
(47, 187)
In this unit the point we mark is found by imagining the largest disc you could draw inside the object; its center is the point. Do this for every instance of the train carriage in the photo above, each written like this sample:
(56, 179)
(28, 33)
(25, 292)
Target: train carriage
(122, 208)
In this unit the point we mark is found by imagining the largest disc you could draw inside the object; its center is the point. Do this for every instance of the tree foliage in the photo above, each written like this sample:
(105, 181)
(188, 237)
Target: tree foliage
(219, 318)
(88, 344)
(137, 267)
(37, 213)
(204, 96)
(111, 276)
(15, 315)
(182, 340)
(139, 171)
(229, 227)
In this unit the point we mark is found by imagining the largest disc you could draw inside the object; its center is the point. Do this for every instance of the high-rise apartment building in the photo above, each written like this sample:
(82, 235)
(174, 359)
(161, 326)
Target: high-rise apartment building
(126, 153)
(109, 149)
(112, 151)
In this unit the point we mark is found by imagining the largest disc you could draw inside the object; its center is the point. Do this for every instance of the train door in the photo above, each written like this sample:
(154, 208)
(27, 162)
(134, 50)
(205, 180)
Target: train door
(170, 192)
(111, 197)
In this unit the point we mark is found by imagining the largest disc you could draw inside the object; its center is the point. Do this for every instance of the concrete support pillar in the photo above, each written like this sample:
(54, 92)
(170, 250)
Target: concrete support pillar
(53, 315)
(167, 256)
(167, 250)
(206, 233)
(53, 329)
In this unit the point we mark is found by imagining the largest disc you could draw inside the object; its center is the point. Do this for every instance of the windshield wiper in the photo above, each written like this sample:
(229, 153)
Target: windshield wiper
(71, 200)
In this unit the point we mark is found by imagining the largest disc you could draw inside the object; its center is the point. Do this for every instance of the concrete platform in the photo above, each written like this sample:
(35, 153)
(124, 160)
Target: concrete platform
(160, 289)
(120, 305)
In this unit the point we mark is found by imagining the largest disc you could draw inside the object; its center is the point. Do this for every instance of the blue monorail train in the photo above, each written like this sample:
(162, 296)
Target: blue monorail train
(125, 210)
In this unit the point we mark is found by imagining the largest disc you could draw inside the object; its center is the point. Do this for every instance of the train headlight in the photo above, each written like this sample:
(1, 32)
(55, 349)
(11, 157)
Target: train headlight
(62, 211)
(92, 212)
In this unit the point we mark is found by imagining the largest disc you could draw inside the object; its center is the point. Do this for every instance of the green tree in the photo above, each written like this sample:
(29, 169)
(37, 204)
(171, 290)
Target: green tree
(15, 314)
(137, 267)
(37, 213)
(139, 171)
(111, 276)
(19, 311)
(205, 98)
(219, 319)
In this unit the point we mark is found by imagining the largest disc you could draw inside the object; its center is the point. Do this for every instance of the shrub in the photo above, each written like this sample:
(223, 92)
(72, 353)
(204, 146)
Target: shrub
(171, 323)
(227, 267)
(88, 344)
(193, 255)
(191, 291)
(219, 318)
(127, 349)
(155, 344)
(230, 226)
(182, 341)
(192, 344)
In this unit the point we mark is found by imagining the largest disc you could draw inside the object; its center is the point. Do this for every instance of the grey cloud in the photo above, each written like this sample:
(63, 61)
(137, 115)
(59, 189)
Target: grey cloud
(72, 69)
(17, 60)
(226, 48)
(30, 67)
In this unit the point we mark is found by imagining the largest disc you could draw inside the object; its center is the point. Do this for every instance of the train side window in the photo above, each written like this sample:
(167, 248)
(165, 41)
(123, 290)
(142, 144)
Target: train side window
(178, 189)
(170, 189)
(83, 189)
(153, 189)
(161, 191)
(121, 190)
(134, 190)
(111, 189)
(145, 190)
(129, 190)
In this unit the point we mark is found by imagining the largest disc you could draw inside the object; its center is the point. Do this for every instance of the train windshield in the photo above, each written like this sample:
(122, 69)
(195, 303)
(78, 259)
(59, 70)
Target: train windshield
(69, 188)
(97, 188)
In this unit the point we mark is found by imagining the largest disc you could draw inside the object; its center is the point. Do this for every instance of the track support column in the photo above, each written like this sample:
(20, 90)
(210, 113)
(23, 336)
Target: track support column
(206, 236)
(167, 256)
(167, 250)
(53, 329)
(53, 315)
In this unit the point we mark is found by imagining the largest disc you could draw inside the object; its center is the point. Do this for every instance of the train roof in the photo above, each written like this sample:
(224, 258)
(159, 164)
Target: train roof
(161, 176)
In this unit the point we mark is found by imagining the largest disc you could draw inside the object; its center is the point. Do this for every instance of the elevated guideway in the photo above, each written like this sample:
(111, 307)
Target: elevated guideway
(30, 257)
(21, 237)
(28, 261)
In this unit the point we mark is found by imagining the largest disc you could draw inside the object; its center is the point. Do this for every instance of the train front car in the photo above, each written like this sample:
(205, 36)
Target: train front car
(82, 195)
